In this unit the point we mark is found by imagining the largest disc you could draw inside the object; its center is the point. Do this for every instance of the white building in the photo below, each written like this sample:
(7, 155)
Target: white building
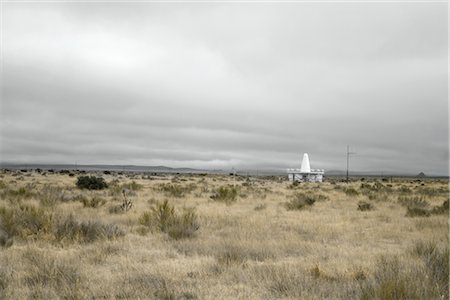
(305, 173)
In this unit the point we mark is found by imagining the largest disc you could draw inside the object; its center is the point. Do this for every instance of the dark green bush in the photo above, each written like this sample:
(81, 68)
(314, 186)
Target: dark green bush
(91, 183)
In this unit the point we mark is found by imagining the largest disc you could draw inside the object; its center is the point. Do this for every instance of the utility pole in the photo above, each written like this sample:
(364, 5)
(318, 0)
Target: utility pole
(348, 157)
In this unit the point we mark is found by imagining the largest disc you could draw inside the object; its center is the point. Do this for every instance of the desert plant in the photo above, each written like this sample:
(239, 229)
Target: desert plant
(227, 194)
(415, 206)
(176, 190)
(301, 201)
(93, 202)
(69, 229)
(442, 209)
(391, 281)
(5, 240)
(61, 276)
(184, 225)
(91, 183)
(25, 221)
(260, 207)
(417, 211)
(351, 191)
(364, 206)
(165, 218)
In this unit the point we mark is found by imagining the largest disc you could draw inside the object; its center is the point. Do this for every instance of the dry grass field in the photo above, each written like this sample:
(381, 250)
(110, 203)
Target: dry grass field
(219, 237)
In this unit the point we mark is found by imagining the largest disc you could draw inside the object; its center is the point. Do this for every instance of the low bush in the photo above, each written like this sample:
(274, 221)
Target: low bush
(25, 221)
(364, 206)
(351, 191)
(165, 218)
(5, 240)
(442, 209)
(69, 229)
(417, 211)
(91, 183)
(415, 206)
(48, 275)
(93, 202)
(260, 207)
(301, 201)
(49, 196)
(176, 190)
(392, 280)
(227, 194)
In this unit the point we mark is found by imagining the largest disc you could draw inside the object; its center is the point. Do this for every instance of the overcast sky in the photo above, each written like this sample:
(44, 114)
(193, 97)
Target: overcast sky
(244, 85)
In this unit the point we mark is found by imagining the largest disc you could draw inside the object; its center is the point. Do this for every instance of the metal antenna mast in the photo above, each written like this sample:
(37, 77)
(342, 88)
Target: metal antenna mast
(348, 157)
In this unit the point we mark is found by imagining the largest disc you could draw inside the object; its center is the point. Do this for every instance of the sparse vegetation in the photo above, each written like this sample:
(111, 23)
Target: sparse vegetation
(364, 206)
(58, 241)
(165, 218)
(227, 194)
(301, 200)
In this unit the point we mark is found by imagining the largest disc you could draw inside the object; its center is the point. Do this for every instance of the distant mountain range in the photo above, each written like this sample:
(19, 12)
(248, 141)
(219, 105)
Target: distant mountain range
(164, 169)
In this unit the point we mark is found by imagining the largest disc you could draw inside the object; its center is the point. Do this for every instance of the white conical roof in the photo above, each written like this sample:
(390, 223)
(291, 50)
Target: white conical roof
(305, 168)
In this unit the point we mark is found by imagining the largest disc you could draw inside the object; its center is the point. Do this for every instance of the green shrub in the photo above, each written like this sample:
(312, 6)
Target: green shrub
(91, 183)
(15, 195)
(301, 201)
(413, 202)
(184, 226)
(68, 229)
(364, 206)
(393, 281)
(416, 211)
(176, 190)
(46, 274)
(351, 192)
(260, 207)
(93, 202)
(49, 196)
(165, 218)
(25, 221)
(415, 206)
(442, 209)
(227, 194)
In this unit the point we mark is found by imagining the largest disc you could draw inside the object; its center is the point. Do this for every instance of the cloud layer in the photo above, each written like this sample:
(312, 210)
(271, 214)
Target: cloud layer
(244, 85)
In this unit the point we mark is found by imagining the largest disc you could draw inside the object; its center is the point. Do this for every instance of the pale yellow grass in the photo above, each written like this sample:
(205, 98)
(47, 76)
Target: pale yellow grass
(315, 253)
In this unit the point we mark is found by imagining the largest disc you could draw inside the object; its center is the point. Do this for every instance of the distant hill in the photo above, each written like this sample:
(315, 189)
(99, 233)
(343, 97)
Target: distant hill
(117, 168)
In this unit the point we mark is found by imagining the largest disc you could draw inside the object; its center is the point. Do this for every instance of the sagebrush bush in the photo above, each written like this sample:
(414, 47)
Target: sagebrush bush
(25, 221)
(227, 194)
(93, 202)
(16, 195)
(91, 183)
(49, 274)
(69, 229)
(165, 218)
(301, 201)
(351, 191)
(364, 206)
(415, 206)
(50, 196)
(442, 209)
(176, 190)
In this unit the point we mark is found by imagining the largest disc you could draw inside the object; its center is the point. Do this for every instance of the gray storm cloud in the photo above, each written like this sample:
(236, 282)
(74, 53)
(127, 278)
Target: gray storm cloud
(245, 85)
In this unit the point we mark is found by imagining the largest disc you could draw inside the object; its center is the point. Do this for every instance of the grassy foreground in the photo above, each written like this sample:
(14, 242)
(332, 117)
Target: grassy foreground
(215, 237)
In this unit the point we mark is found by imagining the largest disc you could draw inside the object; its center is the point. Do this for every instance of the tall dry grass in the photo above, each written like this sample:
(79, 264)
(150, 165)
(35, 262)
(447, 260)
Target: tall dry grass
(216, 237)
